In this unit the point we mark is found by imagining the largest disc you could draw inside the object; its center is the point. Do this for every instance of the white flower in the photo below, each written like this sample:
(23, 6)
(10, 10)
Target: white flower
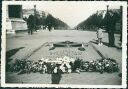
(65, 58)
(59, 62)
(99, 63)
(42, 59)
(60, 59)
(57, 58)
(72, 59)
(77, 70)
(68, 66)
(69, 70)
(107, 64)
(46, 60)
(41, 62)
(91, 61)
(62, 68)
(55, 70)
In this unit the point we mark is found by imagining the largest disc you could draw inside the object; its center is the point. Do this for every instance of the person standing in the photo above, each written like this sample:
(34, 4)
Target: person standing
(49, 27)
(56, 75)
(110, 20)
(100, 36)
(31, 24)
(111, 28)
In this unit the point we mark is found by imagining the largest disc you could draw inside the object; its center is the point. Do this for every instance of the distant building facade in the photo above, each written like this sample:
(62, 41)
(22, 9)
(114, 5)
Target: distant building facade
(27, 12)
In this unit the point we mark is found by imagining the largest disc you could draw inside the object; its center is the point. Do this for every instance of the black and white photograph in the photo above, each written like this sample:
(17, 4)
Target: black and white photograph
(77, 44)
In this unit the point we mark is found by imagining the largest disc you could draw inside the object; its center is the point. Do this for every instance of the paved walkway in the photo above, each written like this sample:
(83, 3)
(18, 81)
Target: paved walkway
(32, 42)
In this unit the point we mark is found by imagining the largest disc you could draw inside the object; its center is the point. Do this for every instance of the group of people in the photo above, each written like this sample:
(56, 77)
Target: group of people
(111, 38)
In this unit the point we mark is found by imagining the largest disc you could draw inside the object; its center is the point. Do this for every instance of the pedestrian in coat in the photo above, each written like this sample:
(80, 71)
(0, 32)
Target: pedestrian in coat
(31, 24)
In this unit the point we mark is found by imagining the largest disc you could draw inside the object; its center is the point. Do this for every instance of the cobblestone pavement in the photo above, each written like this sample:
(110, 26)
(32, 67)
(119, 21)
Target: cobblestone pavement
(32, 42)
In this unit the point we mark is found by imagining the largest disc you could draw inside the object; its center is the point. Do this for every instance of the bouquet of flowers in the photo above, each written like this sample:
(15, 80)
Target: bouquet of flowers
(102, 65)
(66, 65)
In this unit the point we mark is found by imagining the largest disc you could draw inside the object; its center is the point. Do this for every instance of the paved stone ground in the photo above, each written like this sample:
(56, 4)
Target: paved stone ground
(72, 52)
(32, 42)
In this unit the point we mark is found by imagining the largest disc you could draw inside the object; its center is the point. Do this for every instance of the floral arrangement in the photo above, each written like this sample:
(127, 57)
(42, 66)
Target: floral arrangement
(102, 65)
(66, 65)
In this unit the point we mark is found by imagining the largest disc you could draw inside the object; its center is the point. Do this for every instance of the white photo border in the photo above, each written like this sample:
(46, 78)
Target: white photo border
(124, 47)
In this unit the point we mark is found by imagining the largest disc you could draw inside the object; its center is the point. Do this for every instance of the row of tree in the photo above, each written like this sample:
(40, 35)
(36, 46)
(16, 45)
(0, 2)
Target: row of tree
(100, 19)
(55, 22)
(49, 21)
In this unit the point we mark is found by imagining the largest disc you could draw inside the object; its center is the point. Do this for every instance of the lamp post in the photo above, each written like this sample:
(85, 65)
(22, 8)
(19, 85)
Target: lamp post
(34, 9)
(107, 16)
(107, 23)
(35, 15)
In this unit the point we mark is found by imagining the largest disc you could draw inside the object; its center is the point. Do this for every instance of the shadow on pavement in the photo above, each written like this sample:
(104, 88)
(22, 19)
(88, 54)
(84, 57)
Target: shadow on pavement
(11, 53)
(106, 44)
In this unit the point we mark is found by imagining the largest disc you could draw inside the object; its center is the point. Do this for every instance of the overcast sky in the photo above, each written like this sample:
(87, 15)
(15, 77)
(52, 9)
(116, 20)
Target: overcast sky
(70, 12)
